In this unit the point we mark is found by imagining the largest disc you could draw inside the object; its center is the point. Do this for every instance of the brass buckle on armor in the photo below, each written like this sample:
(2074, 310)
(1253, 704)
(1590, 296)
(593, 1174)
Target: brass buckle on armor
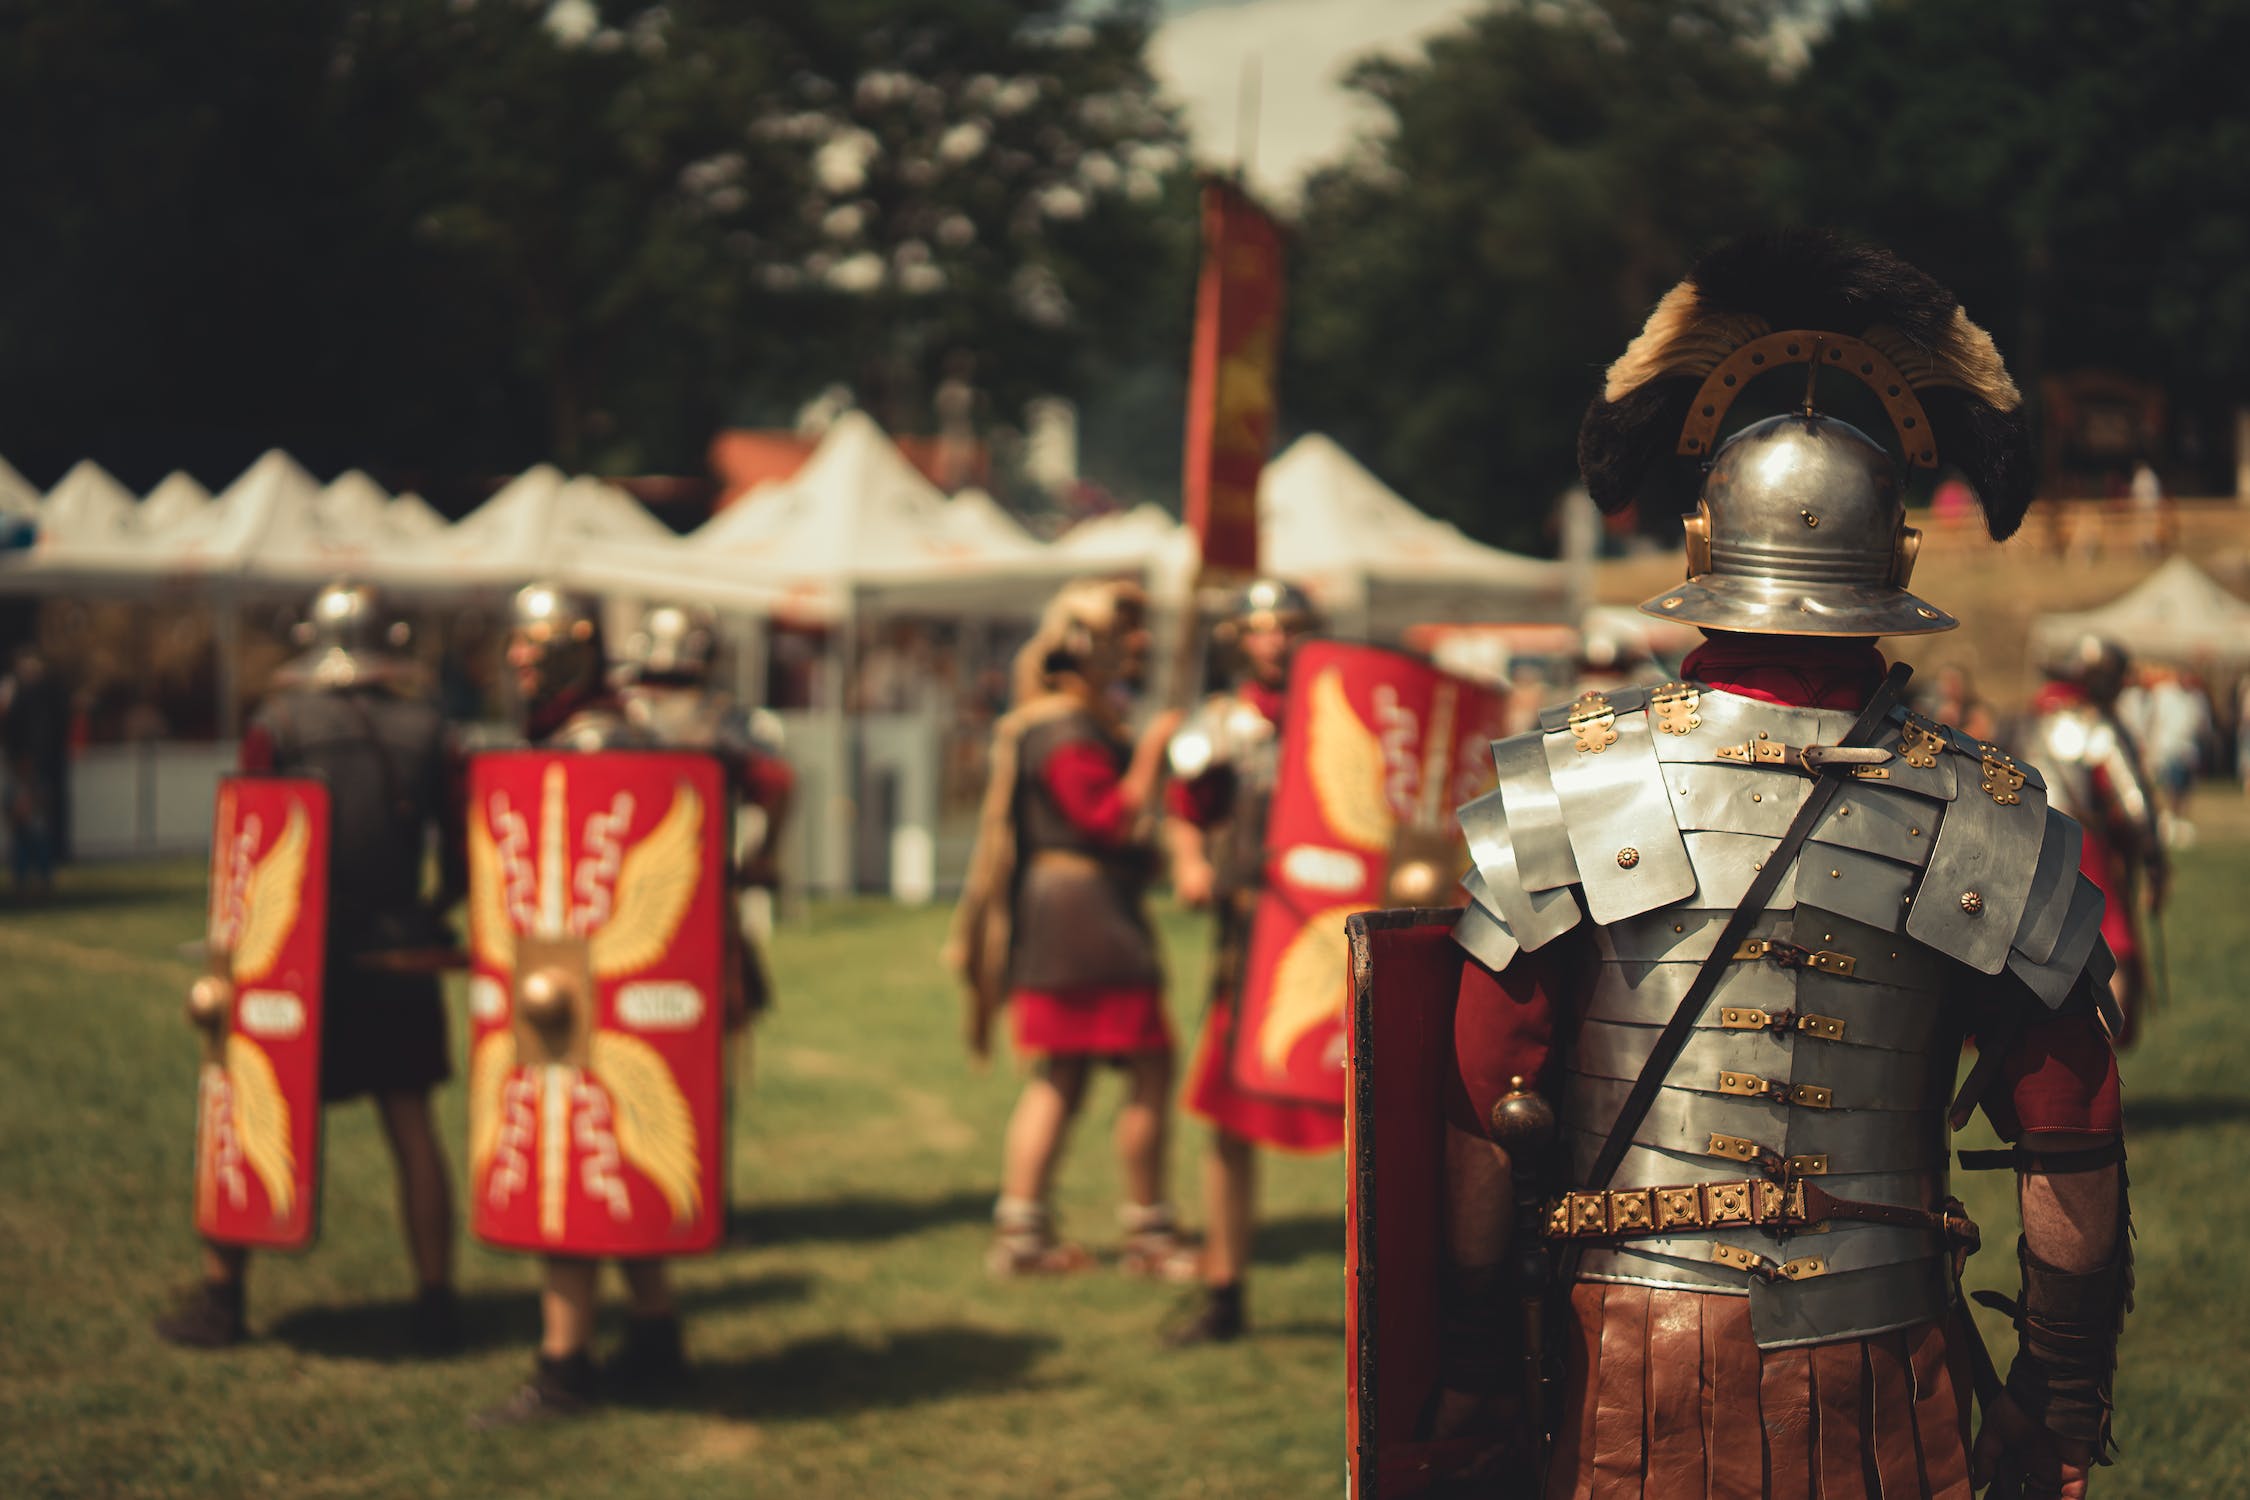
(1920, 742)
(1800, 1269)
(2003, 779)
(1790, 956)
(1757, 753)
(1674, 706)
(1593, 723)
(1750, 1085)
(1748, 1018)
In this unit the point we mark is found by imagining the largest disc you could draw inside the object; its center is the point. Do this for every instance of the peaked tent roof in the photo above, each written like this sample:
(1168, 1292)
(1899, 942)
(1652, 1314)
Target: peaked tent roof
(859, 522)
(2177, 613)
(1378, 564)
(537, 525)
(176, 499)
(17, 496)
(976, 517)
(413, 516)
(273, 493)
(86, 507)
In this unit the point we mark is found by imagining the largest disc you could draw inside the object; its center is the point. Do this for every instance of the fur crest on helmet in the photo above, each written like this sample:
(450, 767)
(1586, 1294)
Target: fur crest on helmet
(1820, 282)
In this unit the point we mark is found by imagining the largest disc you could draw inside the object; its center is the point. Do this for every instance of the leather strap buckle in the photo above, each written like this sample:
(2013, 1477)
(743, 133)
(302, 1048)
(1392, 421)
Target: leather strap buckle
(1791, 956)
(1803, 1268)
(1751, 1086)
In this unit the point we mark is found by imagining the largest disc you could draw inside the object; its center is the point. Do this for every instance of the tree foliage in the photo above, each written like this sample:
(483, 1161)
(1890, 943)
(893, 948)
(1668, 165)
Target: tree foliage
(1546, 172)
(446, 233)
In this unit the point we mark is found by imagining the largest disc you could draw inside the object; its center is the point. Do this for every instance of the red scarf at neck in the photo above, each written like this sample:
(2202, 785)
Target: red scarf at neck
(1797, 671)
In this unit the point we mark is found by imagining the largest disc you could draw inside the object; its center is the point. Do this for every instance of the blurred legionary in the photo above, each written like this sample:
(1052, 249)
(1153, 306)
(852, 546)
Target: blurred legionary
(1726, 938)
(2095, 772)
(346, 712)
(560, 673)
(668, 692)
(1225, 762)
(1053, 922)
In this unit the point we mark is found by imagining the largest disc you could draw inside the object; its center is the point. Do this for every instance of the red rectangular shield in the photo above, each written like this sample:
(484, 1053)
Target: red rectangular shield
(257, 1134)
(1406, 971)
(1377, 749)
(1230, 416)
(597, 1105)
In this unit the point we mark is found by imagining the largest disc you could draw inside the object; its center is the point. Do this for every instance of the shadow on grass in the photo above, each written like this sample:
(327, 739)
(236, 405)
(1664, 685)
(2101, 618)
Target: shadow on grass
(68, 897)
(834, 1375)
(2187, 1112)
(384, 1331)
(854, 1220)
(1285, 1241)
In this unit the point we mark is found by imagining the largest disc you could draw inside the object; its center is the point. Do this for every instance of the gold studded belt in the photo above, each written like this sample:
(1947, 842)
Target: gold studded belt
(1750, 1203)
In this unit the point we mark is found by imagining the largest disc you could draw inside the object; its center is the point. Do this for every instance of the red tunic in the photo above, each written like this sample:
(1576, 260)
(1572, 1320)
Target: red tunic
(1212, 1092)
(1095, 1020)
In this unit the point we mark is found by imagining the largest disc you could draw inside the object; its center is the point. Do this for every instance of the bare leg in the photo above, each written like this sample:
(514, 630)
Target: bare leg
(1038, 1128)
(225, 1265)
(1143, 1128)
(425, 1194)
(649, 1285)
(1479, 1190)
(566, 1306)
(1230, 1195)
(1479, 1194)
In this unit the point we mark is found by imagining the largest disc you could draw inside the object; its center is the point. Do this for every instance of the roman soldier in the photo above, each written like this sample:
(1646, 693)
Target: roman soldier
(344, 713)
(1053, 922)
(560, 671)
(2094, 772)
(1225, 762)
(1696, 1040)
(668, 693)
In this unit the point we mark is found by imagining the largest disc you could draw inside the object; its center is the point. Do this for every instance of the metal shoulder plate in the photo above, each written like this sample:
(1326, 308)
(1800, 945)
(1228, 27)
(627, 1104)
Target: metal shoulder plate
(1215, 735)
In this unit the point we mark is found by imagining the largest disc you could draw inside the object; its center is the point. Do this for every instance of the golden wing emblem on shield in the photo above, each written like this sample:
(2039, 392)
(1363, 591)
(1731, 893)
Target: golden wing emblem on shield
(656, 882)
(261, 1122)
(1308, 986)
(492, 932)
(655, 1129)
(1346, 762)
(489, 1067)
(276, 890)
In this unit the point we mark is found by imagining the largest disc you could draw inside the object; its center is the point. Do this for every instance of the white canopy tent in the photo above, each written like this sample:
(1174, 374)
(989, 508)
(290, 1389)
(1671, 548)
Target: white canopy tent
(17, 496)
(87, 507)
(176, 500)
(2176, 614)
(858, 529)
(1375, 564)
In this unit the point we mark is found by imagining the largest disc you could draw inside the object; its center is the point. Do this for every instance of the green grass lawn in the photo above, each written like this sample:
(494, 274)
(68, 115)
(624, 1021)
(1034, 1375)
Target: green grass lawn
(848, 1341)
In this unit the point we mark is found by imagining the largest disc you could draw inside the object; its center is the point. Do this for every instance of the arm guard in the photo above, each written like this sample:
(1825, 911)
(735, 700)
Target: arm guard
(2068, 1325)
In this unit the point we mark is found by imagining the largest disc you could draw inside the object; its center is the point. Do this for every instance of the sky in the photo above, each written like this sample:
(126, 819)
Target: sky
(1301, 49)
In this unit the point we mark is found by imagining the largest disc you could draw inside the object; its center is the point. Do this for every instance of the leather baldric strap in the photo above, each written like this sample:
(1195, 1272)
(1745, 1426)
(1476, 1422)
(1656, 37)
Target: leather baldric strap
(1768, 878)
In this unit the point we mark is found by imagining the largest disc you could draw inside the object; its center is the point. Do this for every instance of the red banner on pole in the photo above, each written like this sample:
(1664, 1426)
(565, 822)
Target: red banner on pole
(1230, 416)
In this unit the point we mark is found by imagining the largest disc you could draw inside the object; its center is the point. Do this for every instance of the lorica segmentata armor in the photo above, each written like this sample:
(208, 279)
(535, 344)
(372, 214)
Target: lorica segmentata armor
(1825, 1058)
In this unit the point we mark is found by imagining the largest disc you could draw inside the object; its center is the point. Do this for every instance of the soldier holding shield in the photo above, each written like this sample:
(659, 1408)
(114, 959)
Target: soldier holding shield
(669, 694)
(597, 878)
(1224, 764)
(340, 715)
(1688, 1058)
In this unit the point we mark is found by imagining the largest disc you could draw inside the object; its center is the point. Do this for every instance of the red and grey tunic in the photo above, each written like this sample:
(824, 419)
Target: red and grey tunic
(1084, 978)
(1229, 802)
(1683, 1377)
